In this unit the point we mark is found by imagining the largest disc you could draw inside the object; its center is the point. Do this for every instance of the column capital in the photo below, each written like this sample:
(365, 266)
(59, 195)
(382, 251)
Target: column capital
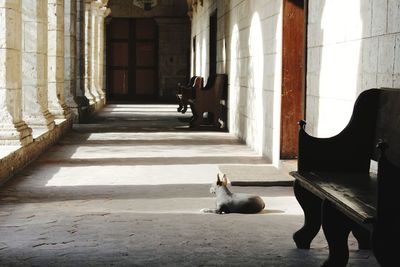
(104, 12)
(99, 8)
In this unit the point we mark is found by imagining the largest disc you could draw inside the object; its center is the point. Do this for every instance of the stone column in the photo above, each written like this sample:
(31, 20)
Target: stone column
(13, 130)
(81, 99)
(34, 65)
(55, 52)
(90, 94)
(102, 13)
(95, 50)
(70, 58)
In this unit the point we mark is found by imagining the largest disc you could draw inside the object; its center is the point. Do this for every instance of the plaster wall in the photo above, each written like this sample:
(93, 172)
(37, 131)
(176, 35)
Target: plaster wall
(349, 50)
(249, 45)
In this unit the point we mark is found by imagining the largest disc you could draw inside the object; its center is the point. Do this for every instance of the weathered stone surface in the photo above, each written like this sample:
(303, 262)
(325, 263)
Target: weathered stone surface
(16, 160)
(139, 203)
(13, 130)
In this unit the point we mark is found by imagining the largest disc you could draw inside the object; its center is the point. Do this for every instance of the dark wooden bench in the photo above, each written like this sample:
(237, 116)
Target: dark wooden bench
(336, 189)
(186, 92)
(211, 99)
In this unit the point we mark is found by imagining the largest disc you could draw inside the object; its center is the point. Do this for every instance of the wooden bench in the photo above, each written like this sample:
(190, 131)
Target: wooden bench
(186, 92)
(336, 189)
(211, 99)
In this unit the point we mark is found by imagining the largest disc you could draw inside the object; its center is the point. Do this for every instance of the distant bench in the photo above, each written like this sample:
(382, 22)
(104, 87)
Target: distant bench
(335, 188)
(186, 92)
(212, 99)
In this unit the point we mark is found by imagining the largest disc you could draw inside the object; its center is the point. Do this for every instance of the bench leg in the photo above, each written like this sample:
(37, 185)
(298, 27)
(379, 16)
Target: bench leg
(197, 119)
(385, 243)
(183, 111)
(363, 237)
(193, 119)
(336, 228)
(180, 106)
(311, 206)
(184, 103)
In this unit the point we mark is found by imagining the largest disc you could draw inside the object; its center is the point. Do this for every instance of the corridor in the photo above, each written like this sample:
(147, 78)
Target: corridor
(126, 189)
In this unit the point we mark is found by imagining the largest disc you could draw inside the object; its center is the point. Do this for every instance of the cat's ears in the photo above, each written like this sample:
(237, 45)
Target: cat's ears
(224, 180)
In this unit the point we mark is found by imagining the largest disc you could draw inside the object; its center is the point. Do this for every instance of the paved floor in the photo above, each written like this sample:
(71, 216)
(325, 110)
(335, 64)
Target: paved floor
(127, 189)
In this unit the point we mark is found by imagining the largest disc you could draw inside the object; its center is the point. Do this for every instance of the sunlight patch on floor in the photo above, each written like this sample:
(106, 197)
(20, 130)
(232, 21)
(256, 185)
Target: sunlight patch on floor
(134, 175)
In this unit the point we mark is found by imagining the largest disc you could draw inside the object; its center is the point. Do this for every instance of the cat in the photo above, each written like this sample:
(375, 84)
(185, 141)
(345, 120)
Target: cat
(228, 202)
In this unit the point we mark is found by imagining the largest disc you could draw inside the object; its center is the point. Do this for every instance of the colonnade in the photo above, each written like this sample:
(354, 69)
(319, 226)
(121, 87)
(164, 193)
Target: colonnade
(51, 65)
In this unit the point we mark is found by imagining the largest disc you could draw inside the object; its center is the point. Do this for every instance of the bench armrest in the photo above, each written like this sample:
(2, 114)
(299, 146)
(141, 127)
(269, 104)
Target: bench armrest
(388, 187)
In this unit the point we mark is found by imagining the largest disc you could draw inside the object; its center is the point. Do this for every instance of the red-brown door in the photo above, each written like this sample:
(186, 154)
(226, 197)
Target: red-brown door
(118, 58)
(293, 75)
(132, 59)
(145, 62)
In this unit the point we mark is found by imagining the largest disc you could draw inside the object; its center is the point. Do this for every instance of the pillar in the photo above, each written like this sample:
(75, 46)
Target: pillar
(13, 130)
(95, 5)
(70, 58)
(81, 98)
(55, 53)
(34, 65)
(90, 92)
(101, 14)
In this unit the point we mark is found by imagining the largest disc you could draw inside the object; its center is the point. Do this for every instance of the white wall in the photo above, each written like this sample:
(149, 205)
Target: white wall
(249, 51)
(353, 45)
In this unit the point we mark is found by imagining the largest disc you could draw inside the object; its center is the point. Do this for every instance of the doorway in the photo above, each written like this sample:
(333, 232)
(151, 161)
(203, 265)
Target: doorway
(293, 75)
(132, 67)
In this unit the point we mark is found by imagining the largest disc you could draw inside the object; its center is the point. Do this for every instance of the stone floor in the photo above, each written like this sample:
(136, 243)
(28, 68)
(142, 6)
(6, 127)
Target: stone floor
(127, 189)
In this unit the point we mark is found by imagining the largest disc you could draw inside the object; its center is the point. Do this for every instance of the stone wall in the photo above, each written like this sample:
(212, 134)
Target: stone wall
(346, 56)
(351, 46)
(173, 54)
(249, 51)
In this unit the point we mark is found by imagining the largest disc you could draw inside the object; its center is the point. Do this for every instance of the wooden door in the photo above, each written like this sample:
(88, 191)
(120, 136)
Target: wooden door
(293, 75)
(132, 67)
(118, 33)
(145, 59)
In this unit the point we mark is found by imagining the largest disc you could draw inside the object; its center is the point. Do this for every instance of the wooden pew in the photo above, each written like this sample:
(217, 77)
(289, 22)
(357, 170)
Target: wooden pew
(211, 99)
(335, 188)
(183, 93)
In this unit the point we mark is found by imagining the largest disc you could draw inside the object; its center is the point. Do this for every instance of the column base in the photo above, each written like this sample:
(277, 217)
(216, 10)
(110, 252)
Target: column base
(17, 134)
(61, 112)
(43, 120)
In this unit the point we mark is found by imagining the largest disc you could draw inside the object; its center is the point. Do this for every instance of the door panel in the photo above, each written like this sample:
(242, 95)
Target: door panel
(120, 54)
(120, 82)
(132, 59)
(145, 54)
(119, 29)
(145, 29)
(293, 76)
(144, 82)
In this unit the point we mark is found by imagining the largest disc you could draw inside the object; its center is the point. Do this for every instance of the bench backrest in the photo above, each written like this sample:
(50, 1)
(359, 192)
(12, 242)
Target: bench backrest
(376, 116)
(192, 81)
(198, 82)
(387, 125)
(216, 86)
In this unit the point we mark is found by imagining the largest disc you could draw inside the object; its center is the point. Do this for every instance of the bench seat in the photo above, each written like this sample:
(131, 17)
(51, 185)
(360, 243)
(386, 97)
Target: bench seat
(353, 193)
